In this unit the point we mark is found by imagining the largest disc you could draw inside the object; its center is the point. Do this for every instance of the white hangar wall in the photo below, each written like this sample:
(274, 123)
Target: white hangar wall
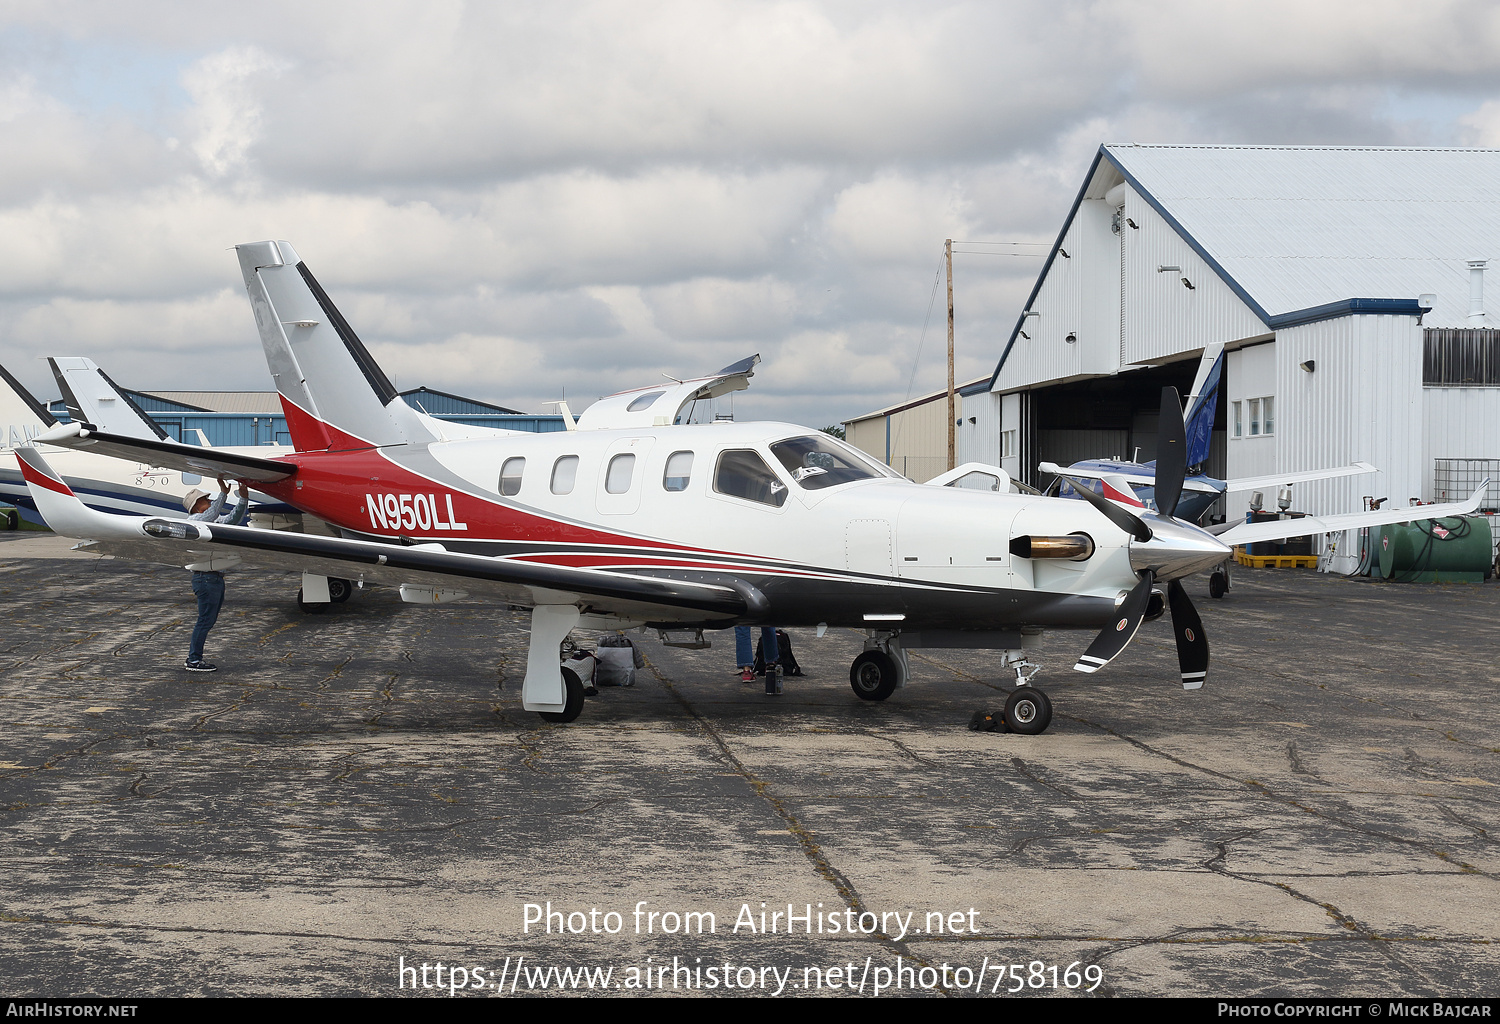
(1111, 295)
(1362, 402)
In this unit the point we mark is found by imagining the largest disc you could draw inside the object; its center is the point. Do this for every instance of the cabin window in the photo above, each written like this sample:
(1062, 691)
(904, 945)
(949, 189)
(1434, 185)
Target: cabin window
(744, 474)
(679, 471)
(621, 469)
(564, 472)
(510, 476)
(1239, 423)
(644, 402)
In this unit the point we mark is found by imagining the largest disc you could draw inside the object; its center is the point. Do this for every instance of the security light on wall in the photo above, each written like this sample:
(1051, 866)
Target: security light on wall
(1132, 223)
(1188, 285)
(1064, 253)
(1072, 337)
(1309, 366)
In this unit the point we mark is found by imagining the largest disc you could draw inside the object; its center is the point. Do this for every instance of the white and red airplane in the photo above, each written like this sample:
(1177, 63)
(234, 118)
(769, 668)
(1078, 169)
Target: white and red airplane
(635, 518)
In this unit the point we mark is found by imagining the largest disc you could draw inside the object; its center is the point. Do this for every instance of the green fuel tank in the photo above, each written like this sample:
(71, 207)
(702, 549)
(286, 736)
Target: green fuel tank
(1454, 550)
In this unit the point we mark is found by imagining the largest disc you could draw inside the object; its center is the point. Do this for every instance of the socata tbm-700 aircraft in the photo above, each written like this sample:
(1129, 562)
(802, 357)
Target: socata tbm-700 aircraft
(633, 519)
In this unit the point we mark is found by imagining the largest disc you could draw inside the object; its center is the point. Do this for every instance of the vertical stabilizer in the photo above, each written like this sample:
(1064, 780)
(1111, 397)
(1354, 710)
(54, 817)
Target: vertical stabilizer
(22, 417)
(333, 392)
(1203, 405)
(92, 397)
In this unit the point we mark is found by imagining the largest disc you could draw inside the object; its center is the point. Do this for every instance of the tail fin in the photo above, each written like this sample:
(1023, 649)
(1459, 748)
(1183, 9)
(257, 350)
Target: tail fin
(333, 392)
(22, 417)
(93, 398)
(1203, 405)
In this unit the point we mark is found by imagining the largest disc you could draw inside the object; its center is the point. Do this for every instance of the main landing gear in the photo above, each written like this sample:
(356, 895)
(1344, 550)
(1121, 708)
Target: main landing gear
(1218, 583)
(318, 593)
(881, 669)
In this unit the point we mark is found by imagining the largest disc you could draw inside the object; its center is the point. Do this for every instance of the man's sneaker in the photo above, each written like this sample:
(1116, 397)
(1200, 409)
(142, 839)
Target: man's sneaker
(747, 675)
(199, 666)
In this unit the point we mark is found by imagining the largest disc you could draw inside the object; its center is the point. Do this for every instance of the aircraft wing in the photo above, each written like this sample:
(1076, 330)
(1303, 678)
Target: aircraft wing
(185, 458)
(214, 546)
(1249, 533)
(1132, 478)
(1255, 483)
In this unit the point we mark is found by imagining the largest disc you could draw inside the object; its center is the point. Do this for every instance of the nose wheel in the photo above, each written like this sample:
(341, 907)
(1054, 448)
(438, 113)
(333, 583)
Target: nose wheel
(1028, 711)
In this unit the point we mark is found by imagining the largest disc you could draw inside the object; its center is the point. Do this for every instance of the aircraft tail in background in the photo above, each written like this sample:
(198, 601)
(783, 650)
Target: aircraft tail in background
(1203, 406)
(93, 398)
(334, 394)
(22, 417)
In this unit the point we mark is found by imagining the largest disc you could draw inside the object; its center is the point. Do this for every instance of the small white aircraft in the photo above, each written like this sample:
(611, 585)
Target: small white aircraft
(637, 519)
(1201, 491)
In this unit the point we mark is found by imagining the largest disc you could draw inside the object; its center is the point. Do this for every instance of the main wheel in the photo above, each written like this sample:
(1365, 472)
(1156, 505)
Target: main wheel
(1028, 711)
(339, 590)
(573, 704)
(310, 607)
(874, 675)
(1218, 584)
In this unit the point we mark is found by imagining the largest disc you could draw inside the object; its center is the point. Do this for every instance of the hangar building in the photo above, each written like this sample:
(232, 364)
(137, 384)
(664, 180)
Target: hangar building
(1346, 283)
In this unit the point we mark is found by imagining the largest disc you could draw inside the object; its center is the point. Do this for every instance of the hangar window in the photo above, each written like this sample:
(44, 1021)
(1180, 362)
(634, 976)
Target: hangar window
(679, 471)
(510, 476)
(1239, 422)
(621, 469)
(744, 474)
(564, 472)
(1262, 417)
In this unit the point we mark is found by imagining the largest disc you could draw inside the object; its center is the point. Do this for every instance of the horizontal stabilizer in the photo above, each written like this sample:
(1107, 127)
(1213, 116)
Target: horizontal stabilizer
(186, 458)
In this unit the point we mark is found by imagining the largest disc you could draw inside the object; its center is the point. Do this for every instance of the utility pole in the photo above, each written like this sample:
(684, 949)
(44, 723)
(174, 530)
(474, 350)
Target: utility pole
(952, 398)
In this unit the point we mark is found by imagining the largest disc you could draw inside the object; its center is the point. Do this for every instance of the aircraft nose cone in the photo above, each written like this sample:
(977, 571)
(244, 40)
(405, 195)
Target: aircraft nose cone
(1176, 550)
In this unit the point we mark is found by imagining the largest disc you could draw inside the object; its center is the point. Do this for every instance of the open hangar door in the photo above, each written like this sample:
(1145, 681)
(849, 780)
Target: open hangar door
(1112, 418)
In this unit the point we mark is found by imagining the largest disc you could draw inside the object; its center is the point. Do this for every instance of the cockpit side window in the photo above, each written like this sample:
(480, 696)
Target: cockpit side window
(742, 473)
(816, 462)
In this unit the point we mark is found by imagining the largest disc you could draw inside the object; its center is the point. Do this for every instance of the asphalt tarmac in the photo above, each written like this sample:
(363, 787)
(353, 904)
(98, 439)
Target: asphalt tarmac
(360, 792)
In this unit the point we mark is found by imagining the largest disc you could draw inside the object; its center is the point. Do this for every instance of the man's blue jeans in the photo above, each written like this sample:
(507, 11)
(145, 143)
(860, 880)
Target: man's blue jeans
(209, 586)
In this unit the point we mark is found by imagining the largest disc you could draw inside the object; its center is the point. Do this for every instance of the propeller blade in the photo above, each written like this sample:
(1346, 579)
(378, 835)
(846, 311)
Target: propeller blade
(1113, 638)
(1171, 453)
(1127, 521)
(1192, 644)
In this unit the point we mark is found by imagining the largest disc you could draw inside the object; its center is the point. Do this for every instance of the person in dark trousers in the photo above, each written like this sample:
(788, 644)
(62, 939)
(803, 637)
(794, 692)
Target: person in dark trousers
(209, 586)
(745, 652)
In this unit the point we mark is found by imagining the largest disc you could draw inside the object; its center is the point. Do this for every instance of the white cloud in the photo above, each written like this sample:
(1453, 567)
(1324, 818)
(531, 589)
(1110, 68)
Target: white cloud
(227, 111)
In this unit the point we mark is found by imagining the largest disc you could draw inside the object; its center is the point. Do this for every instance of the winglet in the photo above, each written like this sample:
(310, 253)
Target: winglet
(61, 509)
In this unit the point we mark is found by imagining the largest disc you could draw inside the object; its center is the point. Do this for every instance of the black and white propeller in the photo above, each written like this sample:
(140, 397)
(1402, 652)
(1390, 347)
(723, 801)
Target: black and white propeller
(1162, 547)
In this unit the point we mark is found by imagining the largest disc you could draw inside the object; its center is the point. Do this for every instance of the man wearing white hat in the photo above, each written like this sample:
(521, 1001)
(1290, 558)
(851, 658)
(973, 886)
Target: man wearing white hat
(209, 586)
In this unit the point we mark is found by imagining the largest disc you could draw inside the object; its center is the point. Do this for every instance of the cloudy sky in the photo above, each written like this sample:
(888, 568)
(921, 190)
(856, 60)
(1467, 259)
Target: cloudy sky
(515, 200)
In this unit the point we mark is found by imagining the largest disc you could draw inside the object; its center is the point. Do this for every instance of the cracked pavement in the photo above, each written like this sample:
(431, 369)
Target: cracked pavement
(363, 785)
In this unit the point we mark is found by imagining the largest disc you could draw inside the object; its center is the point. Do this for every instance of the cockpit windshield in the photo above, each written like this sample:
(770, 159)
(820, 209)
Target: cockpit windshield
(817, 461)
